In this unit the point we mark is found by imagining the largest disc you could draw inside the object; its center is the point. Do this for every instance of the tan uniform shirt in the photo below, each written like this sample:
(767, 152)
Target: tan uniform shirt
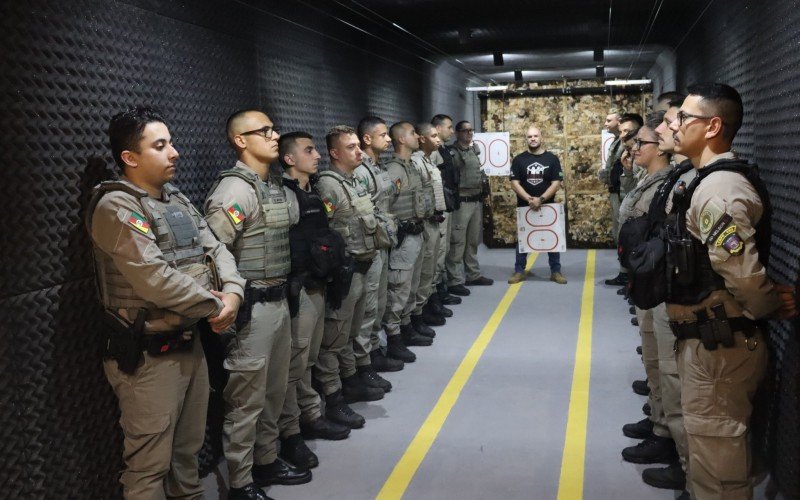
(138, 258)
(749, 292)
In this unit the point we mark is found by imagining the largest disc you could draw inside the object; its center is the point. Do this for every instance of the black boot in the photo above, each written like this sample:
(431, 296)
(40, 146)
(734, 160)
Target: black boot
(370, 377)
(620, 279)
(635, 321)
(642, 429)
(646, 409)
(639, 350)
(279, 472)
(337, 411)
(322, 428)
(460, 290)
(429, 318)
(383, 363)
(396, 349)
(411, 337)
(445, 297)
(434, 306)
(653, 450)
(355, 390)
(480, 281)
(247, 492)
(421, 328)
(667, 478)
(640, 387)
(632, 310)
(295, 451)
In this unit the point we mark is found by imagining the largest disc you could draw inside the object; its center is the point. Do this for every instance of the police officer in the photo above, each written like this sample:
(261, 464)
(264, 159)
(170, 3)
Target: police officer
(248, 211)
(429, 310)
(156, 265)
(374, 136)
(450, 180)
(462, 258)
(351, 213)
(410, 207)
(719, 244)
(315, 252)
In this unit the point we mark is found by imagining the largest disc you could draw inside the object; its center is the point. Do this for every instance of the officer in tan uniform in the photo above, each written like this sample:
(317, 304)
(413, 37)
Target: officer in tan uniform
(352, 214)
(156, 264)
(720, 292)
(374, 136)
(428, 308)
(465, 233)
(410, 205)
(249, 213)
(316, 252)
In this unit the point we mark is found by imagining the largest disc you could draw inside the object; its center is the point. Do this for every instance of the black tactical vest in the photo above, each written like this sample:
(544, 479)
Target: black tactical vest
(691, 277)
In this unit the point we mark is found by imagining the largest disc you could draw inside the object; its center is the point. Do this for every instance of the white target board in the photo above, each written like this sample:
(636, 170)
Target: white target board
(495, 152)
(541, 230)
(606, 139)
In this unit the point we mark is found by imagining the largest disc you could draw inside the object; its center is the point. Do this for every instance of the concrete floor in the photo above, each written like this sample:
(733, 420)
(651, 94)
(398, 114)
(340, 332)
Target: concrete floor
(505, 435)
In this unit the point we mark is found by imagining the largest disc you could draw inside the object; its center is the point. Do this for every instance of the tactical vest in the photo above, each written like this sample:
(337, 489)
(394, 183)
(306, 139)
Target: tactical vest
(175, 225)
(428, 192)
(411, 202)
(384, 188)
(357, 224)
(438, 190)
(262, 251)
(691, 276)
(469, 166)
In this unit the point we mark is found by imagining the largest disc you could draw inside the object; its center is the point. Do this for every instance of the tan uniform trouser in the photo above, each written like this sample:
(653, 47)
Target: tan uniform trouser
(367, 339)
(382, 294)
(258, 362)
(444, 247)
(650, 360)
(402, 269)
(411, 302)
(717, 390)
(307, 329)
(465, 235)
(615, 201)
(163, 407)
(341, 328)
(669, 382)
(428, 267)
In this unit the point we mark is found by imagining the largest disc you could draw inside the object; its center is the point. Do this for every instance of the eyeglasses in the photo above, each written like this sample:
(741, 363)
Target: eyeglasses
(683, 115)
(637, 143)
(265, 132)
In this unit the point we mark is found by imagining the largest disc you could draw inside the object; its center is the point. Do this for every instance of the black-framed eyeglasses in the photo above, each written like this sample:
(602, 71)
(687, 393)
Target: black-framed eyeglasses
(637, 143)
(265, 132)
(683, 115)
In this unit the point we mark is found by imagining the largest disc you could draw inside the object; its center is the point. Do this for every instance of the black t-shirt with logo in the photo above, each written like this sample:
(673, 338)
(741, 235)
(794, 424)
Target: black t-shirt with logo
(535, 173)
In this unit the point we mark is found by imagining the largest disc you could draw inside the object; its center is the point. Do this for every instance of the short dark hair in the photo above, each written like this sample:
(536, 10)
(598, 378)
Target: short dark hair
(439, 119)
(125, 130)
(630, 135)
(287, 142)
(723, 101)
(632, 117)
(460, 125)
(677, 102)
(232, 118)
(423, 128)
(670, 96)
(366, 125)
(654, 119)
(334, 133)
(394, 130)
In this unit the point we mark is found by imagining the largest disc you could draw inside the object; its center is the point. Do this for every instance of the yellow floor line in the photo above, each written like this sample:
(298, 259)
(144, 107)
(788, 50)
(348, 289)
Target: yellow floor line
(570, 485)
(402, 474)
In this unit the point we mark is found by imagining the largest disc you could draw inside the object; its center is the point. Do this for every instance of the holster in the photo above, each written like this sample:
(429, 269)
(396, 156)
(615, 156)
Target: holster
(125, 340)
(295, 285)
(260, 295)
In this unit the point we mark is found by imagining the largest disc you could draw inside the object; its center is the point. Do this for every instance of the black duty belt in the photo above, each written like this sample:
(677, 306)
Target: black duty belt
(362, 266)
(161, 343)
(713, 332)
(412, 226)
(476, 197)
(436, 219)
(270, 294)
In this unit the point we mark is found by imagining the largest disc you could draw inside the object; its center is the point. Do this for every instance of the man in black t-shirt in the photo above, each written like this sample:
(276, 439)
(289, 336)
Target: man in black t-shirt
(536, 175)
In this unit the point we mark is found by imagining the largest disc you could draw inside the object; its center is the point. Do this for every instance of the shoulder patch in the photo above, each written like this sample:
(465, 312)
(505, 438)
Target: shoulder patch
(139, 222)
(709, 218)
(397, 184)
(235, 213)
(732, 243)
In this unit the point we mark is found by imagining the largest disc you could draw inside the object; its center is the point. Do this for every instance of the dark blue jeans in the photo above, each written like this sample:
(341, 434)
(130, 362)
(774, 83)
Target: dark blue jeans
(553, 258)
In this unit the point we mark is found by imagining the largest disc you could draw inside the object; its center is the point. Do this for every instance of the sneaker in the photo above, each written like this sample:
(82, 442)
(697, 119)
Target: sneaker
(640, 387)
(642, 429)
(383, 363)
(671, 477)
(653, 450)
(458, 290)
(480, 281)
(516, 278)
(558, 278)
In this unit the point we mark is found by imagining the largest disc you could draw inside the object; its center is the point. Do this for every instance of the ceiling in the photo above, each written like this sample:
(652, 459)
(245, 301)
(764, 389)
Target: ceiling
(544, 39)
